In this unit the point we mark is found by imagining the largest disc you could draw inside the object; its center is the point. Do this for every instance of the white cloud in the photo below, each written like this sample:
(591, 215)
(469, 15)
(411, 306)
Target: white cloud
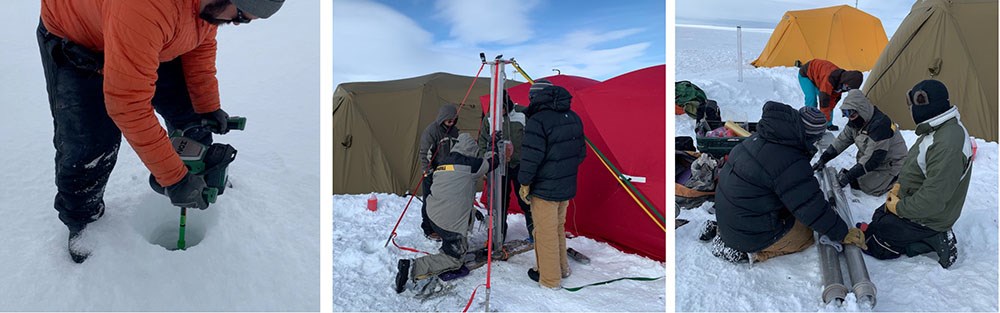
(374, 42)
(488, 21)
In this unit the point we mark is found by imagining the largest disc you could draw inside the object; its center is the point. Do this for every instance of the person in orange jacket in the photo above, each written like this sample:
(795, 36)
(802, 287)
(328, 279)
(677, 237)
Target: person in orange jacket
(108, 64)
(824, 80)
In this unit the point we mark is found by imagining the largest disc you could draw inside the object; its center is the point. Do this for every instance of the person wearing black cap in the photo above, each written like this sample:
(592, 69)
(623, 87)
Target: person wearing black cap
(824, 80)
(768, 203)
(922, 207)
(881, 148)
(551, 153)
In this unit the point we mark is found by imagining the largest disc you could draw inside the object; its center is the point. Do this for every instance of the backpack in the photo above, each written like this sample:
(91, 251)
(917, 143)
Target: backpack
(689, 96)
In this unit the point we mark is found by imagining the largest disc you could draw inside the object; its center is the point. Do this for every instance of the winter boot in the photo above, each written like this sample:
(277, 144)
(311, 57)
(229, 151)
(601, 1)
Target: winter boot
(77, 251)
(533, 274)
(709, 231)
(832, 128)
(945, 245)
(720, 250)
(403, 275)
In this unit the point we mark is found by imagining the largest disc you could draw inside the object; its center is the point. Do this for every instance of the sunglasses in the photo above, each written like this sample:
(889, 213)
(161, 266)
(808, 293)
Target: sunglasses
(241, 18)
(849, 113)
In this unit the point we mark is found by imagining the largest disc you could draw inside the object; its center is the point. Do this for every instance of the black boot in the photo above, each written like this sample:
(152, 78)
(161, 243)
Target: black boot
(76, 251)
(832, 128)
(403, 275)
(709, 230)
(533, 274)
(720, 250)
(945, 245)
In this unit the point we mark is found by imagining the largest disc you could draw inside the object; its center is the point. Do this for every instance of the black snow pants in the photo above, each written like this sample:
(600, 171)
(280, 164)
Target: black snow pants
(888, 236)
(85, 137)
(509, 185)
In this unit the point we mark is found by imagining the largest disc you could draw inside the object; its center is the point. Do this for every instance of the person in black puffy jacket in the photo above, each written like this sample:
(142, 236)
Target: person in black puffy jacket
(552, 149)
(768, 203)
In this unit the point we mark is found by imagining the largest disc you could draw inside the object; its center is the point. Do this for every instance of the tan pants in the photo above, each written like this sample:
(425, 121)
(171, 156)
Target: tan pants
(550, 240)
(797, 239)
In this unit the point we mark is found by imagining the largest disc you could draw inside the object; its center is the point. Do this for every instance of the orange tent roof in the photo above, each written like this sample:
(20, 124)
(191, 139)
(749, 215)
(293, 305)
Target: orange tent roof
(844, 35)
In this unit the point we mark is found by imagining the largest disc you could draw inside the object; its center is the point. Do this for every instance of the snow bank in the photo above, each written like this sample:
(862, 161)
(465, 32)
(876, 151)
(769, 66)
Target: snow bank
(364, 270)
(792, 283)
(259, 246)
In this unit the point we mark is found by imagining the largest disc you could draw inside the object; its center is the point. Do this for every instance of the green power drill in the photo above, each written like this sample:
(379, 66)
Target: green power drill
(209, 161)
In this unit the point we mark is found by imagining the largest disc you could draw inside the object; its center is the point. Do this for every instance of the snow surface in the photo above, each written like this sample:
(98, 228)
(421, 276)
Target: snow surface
(260, 246)
(707, 57)
(364, 270)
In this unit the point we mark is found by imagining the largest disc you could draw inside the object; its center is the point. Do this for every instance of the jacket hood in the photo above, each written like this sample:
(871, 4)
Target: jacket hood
(781, 124)
(851, 78)
(446, 112)
(466, 145)
(857, 101)
(551, 98)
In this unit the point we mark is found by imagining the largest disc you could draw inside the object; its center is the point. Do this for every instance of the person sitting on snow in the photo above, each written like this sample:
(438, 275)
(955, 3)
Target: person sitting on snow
(881, 148)
(922, 207)
(768, 203)
(825, 80)
(450, 211)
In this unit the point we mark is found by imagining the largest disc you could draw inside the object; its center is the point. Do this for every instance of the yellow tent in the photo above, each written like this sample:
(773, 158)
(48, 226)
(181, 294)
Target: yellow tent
(846, 36)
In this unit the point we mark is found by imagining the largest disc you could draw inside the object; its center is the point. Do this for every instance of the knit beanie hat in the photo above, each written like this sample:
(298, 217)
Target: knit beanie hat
(813, 121)
(927, 99)
(538, 86)
(259, 8)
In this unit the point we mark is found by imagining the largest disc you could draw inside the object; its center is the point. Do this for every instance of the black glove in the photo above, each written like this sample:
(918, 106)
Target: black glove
(219, 117)
(189, 192)
(479, 216)
(843, 179)
(827, 155)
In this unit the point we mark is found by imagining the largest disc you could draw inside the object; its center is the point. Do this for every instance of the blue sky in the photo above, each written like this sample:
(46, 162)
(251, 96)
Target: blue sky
(380, 40)
(767, 13)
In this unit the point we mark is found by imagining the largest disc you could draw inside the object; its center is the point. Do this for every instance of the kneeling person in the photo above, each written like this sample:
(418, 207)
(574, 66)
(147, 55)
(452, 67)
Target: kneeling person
(921, 209)
(768, 203)
(450, 210)
(881, 148)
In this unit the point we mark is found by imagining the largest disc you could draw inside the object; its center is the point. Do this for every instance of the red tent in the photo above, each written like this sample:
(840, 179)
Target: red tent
(623, 117)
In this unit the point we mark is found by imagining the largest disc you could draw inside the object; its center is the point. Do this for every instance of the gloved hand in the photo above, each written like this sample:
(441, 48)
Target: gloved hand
(525, 191)
(892, 199)
(188, 192)
(479, 216)
(827, 155)
(856, 237)
(843, 179)
(221, 118)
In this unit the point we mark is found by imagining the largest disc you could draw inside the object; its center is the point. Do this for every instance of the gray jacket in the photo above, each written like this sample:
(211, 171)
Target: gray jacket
(437, 139)
(451, 203)
(881, 148)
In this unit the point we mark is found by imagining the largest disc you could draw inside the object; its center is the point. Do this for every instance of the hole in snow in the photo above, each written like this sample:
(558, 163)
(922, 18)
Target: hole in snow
(159, 222)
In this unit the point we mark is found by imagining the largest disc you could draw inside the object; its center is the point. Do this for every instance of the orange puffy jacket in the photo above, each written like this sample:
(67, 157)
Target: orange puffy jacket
(819, 71)
(135, 37)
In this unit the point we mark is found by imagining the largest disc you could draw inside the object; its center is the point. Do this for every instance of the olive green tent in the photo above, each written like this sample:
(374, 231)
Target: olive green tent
(377, 127)
(953, 41)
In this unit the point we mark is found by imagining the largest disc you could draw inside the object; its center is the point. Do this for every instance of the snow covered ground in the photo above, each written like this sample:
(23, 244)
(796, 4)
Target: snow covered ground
(259, 246)
(707, 57)
(363, 270)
